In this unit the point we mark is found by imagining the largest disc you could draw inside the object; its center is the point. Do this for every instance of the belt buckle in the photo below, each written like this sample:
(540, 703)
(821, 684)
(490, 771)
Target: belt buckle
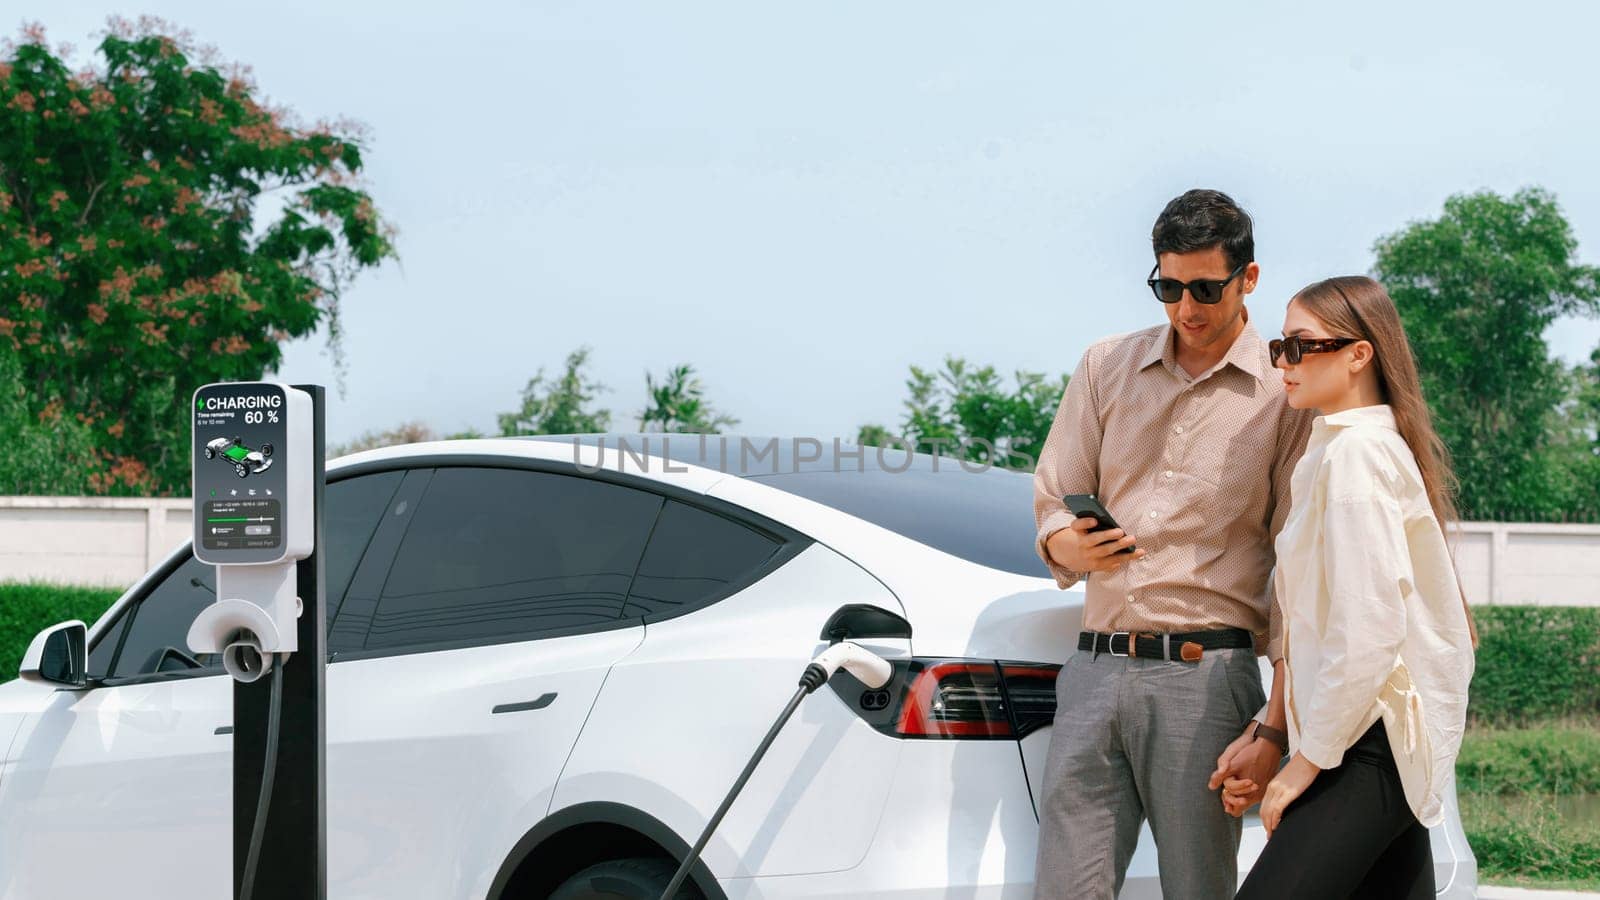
(1111, 645)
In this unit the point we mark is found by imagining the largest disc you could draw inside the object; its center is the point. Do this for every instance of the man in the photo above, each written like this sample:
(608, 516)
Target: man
(1183, 433)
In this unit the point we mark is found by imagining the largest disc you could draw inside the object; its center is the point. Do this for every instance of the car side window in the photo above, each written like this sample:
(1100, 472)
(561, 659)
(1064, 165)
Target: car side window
(158, 630)
(496, 555)
(158, 625)
(696, 558)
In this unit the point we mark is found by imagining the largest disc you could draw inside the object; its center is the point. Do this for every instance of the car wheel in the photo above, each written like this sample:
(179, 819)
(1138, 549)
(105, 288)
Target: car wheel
(633, 879)
(241, 470)
(266, 449)
(210, 453)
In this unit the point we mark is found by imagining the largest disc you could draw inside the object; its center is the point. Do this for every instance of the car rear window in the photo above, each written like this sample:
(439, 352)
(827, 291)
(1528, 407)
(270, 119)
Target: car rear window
(983, 517)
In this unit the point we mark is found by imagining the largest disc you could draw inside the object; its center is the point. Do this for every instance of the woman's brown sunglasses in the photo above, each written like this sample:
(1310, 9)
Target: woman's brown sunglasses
(1295, 347)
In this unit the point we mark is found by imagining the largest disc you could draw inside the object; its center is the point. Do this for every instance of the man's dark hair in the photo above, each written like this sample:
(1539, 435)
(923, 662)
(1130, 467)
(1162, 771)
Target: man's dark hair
(1200, 219)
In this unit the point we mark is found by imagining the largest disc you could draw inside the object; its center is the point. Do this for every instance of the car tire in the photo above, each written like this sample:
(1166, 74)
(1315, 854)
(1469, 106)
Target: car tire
(243, 472)
(625, 879)
(266, 449)
(210, 453)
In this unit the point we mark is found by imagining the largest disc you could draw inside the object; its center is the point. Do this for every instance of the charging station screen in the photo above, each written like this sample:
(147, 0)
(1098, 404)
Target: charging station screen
(240, 458)
(250, 524)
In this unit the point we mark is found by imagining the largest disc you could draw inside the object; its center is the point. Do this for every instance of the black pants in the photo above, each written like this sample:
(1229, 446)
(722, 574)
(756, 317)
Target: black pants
(1351, 834)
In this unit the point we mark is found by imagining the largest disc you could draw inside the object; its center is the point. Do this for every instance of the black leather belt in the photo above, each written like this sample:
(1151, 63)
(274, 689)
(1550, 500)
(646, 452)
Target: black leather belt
(1188, 646)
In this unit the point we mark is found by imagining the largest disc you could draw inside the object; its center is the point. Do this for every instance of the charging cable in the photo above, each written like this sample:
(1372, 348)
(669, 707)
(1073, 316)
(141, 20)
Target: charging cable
(869, 668)
(268, 769)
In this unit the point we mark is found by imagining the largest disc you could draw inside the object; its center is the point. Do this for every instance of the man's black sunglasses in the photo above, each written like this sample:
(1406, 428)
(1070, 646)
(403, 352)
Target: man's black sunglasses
(1203, 290)
(1295, 347)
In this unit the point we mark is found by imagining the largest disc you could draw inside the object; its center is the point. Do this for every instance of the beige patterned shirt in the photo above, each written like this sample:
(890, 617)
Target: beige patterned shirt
(1196, 469)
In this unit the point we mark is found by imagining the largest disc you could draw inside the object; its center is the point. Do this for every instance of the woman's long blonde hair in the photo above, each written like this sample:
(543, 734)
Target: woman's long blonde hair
(1356, 306)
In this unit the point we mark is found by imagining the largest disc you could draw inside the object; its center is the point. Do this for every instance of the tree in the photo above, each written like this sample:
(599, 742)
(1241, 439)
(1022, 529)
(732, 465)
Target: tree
(678, 405)
(135, 259)
(560, 408)
(967, 412)
(44, 452)
(1578, 441)
(1477, 288)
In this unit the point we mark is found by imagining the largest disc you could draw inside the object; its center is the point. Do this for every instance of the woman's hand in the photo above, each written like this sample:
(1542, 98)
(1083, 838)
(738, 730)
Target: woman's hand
(1285, 788)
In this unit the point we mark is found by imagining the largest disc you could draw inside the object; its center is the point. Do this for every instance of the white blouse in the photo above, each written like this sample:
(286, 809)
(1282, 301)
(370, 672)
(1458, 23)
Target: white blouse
(1374, 626)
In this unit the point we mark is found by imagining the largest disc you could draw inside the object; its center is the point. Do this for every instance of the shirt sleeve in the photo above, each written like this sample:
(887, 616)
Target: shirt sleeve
(1294, 429)
(1366, 576)
(1069, 463)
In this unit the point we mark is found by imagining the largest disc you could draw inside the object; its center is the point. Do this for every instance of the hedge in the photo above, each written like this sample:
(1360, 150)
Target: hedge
(27, 609)
(1536, 664)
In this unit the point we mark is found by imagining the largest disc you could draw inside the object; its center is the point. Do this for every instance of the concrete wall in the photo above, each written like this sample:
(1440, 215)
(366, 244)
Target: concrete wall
(101, 541)
(112, 541)
(1546, 565)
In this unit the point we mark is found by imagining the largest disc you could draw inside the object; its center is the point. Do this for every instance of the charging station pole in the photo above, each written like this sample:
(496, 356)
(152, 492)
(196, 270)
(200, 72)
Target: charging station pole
(259, 485)
(294, 851)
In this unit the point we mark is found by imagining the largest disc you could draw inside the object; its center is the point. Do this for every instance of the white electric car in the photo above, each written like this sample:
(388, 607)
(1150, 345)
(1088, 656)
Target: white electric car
(549, 660)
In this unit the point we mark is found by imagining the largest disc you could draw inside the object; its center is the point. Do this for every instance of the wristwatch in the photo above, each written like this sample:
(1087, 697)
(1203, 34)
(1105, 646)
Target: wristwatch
(1263, 730)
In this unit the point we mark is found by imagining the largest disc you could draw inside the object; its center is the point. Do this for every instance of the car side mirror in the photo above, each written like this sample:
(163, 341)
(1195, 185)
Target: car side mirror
(860, 621)
(59, 655)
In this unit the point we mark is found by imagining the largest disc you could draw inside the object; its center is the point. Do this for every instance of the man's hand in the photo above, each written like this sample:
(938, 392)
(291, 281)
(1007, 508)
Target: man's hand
(1243, 771)
(1078, 550)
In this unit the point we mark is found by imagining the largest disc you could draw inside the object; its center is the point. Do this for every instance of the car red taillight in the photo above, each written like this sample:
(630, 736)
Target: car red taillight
(956, 699)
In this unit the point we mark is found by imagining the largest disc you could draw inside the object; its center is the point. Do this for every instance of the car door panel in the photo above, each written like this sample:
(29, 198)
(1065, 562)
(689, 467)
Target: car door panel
(473, 598)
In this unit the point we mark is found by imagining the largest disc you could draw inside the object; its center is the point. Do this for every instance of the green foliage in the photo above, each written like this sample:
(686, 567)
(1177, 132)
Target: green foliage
(27, 609)
(560, 406)
(967, 412)
(1529, 841)
(678, 405)
(134, 266)
(1545, 760)
(1536, 663)
(46, 453)
(1577, 442)
(1477, 289)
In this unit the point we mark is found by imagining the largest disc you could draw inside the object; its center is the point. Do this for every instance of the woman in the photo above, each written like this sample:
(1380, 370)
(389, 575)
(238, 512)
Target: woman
(1378, 641)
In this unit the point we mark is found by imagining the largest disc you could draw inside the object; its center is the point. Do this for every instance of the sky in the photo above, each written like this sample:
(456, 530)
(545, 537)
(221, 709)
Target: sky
(804, 200)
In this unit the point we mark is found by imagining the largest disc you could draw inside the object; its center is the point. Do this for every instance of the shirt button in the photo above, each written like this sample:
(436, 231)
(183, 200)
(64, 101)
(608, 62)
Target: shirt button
(1167, 473)
(1130, 598)
(1178, 429)
(1153, 514)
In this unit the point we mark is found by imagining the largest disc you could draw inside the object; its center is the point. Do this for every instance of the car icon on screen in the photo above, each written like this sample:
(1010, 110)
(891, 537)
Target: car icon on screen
(245, 462)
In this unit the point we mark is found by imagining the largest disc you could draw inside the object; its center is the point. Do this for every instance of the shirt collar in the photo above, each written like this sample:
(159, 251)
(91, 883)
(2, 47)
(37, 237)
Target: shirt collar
(1381, 415)
(1248, 354)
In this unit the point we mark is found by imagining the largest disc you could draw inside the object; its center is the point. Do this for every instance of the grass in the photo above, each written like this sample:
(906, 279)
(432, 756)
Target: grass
(1529, 845)
(1554, 758)
(1511, 784)
(27, 609)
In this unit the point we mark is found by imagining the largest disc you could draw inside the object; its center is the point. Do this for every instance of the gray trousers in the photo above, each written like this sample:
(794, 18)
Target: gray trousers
(1137, 739)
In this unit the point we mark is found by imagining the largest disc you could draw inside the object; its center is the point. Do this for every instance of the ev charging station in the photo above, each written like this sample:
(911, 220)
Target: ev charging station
(258, 491)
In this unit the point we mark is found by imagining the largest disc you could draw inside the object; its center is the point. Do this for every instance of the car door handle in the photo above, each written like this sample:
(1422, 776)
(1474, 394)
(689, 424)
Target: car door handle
(540, 703)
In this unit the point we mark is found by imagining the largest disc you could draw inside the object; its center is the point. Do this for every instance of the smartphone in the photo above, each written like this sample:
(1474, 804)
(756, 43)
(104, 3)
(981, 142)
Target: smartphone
(1088, 506)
